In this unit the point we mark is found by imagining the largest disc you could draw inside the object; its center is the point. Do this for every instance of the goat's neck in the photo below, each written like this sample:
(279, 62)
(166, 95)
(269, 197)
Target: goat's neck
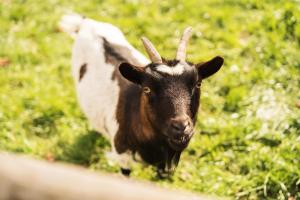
(135, 129)
(147, 127)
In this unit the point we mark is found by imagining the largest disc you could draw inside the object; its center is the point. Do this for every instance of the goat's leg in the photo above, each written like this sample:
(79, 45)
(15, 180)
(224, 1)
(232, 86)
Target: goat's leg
(123, 160)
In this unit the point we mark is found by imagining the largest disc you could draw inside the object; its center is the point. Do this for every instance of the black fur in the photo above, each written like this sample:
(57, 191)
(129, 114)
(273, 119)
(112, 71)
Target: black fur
(82, 71)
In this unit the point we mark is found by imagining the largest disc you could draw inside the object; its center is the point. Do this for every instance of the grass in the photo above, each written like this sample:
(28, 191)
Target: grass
(247, 144)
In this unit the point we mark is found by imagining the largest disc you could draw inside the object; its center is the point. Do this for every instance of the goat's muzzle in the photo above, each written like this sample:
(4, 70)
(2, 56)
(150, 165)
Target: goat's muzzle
(180, 131)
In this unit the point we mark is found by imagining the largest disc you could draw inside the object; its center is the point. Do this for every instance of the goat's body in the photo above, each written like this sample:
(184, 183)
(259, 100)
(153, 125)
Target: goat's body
(97, 90)
(114, 83)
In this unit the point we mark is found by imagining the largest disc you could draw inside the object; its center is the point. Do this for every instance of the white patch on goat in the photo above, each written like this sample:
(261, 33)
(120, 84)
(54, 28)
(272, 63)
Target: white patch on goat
(115, 36)
(97, 93)
(174, 70)
(124, 160)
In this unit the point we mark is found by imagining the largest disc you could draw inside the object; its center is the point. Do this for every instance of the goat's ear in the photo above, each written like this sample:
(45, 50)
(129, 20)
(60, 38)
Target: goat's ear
(210, 67)
(132, 73)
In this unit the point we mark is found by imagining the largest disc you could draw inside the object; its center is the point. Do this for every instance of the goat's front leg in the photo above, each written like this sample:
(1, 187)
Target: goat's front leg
(124, 160)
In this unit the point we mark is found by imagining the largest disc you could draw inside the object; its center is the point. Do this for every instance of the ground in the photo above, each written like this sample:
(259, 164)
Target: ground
(247, 141)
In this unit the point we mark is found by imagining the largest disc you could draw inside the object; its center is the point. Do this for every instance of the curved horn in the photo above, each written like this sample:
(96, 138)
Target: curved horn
(181, 52)
(151, 51)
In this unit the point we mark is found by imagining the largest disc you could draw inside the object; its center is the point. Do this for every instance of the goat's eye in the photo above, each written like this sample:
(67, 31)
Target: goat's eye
(146, 90)
(198, 85)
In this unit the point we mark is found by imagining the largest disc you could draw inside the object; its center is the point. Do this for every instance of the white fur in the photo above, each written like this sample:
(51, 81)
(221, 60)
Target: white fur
(175, 70)
(97, 93)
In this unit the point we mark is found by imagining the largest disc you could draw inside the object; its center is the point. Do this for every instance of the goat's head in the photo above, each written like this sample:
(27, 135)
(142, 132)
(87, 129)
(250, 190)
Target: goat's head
(171, 91)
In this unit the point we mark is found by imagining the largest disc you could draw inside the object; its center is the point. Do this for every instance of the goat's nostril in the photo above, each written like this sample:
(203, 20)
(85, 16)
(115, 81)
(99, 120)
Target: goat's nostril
(176, 126)
(179, 126)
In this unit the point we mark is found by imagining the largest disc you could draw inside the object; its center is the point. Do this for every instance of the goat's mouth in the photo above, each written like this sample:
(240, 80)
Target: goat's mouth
(178, 144)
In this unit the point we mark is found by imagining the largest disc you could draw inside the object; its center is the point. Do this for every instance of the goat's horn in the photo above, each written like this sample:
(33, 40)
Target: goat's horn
(151, 51)
(181, 52)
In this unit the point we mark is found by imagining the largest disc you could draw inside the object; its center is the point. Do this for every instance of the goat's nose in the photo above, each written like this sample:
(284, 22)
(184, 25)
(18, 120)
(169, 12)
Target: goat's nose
(179, 124)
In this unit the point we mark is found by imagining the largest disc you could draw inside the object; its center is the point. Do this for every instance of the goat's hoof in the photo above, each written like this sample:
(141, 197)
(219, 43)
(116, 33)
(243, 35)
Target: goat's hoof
(125, 172)
(162, 174)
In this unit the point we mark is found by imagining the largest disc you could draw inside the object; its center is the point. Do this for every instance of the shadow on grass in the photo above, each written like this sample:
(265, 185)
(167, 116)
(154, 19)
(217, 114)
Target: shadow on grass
(86, 150)
(44, 124)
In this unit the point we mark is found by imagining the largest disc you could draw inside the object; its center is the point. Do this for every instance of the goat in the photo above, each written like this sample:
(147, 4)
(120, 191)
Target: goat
(145, 108)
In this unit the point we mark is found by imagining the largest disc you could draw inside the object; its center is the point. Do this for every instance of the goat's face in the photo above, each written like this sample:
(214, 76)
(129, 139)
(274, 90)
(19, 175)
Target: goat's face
(170, 96)
(171, 91)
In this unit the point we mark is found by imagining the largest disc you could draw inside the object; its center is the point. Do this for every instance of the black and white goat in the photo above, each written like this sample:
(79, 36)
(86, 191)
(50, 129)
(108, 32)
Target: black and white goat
(144, 108)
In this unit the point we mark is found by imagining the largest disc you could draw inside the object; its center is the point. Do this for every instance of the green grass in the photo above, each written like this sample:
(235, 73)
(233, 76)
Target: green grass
(247, 144)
